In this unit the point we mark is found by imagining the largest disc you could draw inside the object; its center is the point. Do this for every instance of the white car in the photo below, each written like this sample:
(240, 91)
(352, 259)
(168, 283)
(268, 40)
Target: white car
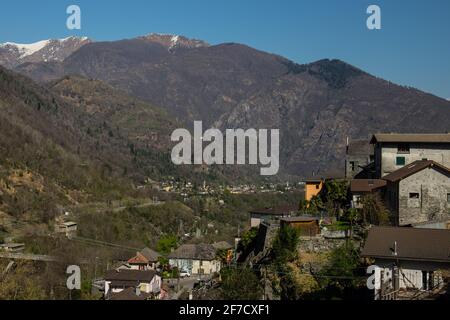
(184, 274)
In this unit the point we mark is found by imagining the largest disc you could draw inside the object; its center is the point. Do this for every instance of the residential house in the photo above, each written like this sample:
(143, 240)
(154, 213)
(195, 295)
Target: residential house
(359, 159)
(361, 187)
(306, 226)
(313, 187)
(408, 261)
(271, 215)
(418, 192)
(394, 151)
(145, 282)
(146, 259)
(195, 259)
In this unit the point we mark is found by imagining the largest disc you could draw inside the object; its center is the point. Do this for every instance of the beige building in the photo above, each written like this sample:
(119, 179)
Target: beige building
(195, 259)
(394, 151)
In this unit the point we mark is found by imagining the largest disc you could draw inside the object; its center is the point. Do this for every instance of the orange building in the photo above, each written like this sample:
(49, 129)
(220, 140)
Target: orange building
(313, 187)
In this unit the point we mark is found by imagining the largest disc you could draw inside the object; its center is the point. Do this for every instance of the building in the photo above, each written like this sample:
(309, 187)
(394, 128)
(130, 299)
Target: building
(418, 192)
(359, 159)
(408, 261)
(361, 187)
(68, 228)
(195, 259)
(313, 186)
(146, 259)
(12, 247)
(394, 151)
(271, 215)
(142, 282)
(307, 226)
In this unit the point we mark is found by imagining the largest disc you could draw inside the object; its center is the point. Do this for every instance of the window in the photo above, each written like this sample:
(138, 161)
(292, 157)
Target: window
(400, 161)
(403, 148)
(414, 195)
(353, 165)
(317, 187)
(448, 197)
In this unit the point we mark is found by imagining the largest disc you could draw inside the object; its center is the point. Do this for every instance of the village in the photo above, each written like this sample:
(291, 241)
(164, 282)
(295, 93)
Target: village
(392, 206)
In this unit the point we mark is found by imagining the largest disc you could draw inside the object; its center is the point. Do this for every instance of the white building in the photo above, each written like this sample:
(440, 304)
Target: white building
(195, 259)
(407, 261)
(143, 282)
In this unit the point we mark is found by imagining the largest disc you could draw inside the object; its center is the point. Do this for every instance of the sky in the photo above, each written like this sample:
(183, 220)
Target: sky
(412, 48)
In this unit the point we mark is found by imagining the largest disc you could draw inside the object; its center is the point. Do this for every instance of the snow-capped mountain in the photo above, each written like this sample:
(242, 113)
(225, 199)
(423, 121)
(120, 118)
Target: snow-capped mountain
(172, 42)
(13, 54)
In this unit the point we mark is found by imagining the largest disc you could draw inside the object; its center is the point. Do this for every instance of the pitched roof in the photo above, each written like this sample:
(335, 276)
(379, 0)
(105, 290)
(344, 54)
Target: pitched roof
(300, 219)
(129, 294)
(194, 251)
(413, 168)
(150, 254)
(359, 148)
(405, 138)
(412, 244)
(130, 275)
(222, 245)
(366, 185)
(276, 211)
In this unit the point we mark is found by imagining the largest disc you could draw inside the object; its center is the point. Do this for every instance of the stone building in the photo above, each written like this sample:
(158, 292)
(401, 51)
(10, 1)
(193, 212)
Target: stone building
(394, 151)
(359, 159)
(418, 192)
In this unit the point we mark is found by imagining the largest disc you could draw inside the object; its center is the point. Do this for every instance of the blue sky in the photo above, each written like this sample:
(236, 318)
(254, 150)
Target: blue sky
(412, 48)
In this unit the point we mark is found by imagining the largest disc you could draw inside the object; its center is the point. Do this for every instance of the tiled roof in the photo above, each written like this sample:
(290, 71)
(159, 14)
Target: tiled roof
(413, 168)
(130, 275)
(195, 252)
(405, 138)
(366, 185)
(411, 244)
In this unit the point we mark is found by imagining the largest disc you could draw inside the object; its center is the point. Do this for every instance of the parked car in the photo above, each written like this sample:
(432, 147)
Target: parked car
(184, 274)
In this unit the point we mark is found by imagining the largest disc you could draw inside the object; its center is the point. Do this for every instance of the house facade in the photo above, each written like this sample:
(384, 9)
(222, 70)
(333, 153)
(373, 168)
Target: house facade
(394, 151)
(196, 259)
(146, 282)
(146, 259)
(418, 193)
(407, 262)
(358, 160)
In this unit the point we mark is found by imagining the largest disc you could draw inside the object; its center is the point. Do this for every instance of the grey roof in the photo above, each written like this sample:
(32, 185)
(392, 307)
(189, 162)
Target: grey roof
(360, 148)
(413, 168)
(150, 254)
(412, 244)
(300, 219)
(222, 245)
(130, 275)
(405, 138)
(194, 252)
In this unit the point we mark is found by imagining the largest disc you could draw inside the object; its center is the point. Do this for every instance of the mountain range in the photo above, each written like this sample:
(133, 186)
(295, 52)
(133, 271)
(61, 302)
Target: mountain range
(315, 105)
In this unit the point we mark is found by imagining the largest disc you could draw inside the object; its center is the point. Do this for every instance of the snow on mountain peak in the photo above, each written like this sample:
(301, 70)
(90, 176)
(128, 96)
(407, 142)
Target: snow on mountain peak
(27, 49)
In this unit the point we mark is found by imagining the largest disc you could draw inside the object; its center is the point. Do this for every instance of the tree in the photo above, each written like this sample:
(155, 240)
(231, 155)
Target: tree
(248, 239)
(373, 209)
(240, 284)
(284, 247)
(166, 244)
(336, 195)
(342, 269)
